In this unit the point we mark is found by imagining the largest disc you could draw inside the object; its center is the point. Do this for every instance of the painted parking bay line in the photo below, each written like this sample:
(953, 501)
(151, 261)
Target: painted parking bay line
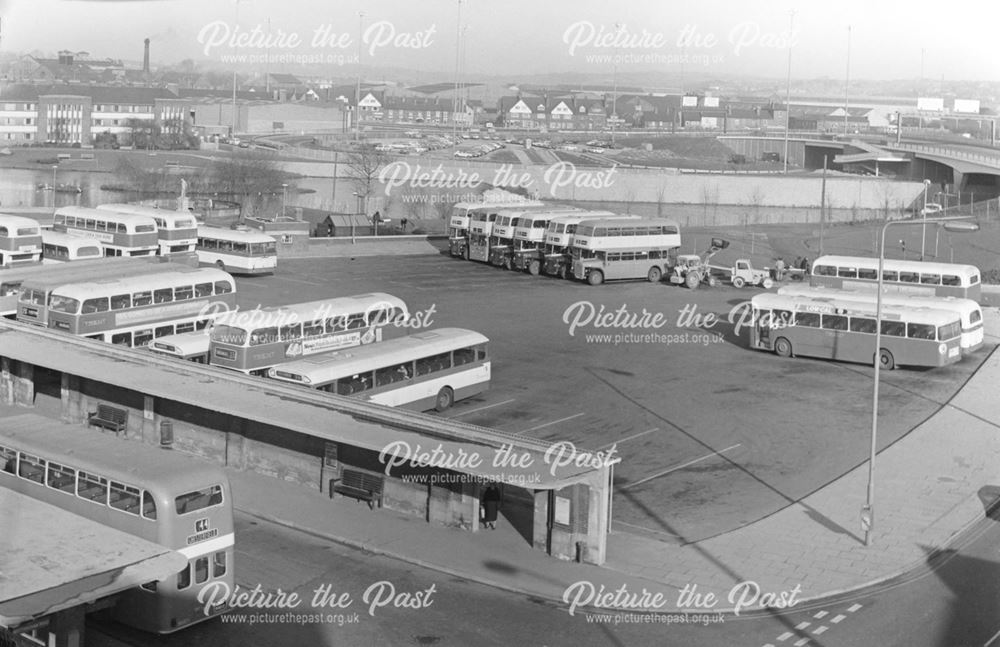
(554, 422)
(483, 408)
(678, 467)
(632, 437)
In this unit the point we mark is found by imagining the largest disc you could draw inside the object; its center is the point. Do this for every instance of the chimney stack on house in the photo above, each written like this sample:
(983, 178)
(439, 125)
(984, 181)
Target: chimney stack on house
(145, 57)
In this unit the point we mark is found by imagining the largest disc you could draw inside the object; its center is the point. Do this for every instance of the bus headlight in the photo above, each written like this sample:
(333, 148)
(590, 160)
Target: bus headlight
(942, 348)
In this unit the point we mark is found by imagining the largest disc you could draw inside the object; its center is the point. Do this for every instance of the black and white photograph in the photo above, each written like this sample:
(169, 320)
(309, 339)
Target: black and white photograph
(462, 323)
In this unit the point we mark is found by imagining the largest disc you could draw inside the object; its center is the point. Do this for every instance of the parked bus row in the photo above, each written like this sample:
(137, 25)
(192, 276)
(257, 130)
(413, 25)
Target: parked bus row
(181, 503)
(591, 246)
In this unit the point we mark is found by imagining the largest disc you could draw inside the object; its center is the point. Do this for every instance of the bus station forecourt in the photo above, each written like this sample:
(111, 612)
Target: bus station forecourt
(735, 464)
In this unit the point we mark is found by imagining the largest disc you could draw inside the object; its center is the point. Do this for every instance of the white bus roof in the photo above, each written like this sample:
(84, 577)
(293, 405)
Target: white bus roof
(360, 359)
(69, 241)
(148, 282)
(109, 216)
(959, 304)
(17, 222)
(169, 215)
(890, 312)
(182, 344)
(622, 222)
(310, 310)
(236, 235)
(925, 267)
(498, 203)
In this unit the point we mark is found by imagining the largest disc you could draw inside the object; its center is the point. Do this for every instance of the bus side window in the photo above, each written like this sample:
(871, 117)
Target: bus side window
(861, 324)
(464, 356)
(825, 270)
(909, 277)
(8, 459)
(183, 293)
(481, 352)
(142, 337)
(184, 578)
(94, 305)
(847, 272)
(950, 279)
(142, 299)
(223, 287)
(121, 301)
(219, 564)
(61, 478)
(894, 328)
(871, 275)
(834, 322)
(203, 290)
(148, 505)
(122, 339)
(93, 488)
(920, 331)
(291, 332)
(930, 279)
(890, 275)
(312, 328)
(164, 295)
(807, 319)
(31, 468)
(355, 322)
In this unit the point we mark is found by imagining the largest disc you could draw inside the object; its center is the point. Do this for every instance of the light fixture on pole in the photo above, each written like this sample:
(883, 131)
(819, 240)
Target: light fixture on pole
(955, 224)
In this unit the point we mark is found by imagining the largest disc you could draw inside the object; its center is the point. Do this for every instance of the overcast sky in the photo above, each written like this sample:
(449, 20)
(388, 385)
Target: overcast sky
(888, 40)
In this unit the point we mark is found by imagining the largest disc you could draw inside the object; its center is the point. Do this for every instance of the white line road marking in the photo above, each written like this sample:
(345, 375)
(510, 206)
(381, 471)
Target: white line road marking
(821, 614)
(658, 532)
(632, 437)
(799, 643)
(785, 636)
(990, 641)
(554, 422)
(853, 608)
(674, 469)
(802, 625)
(837, 618)
(820, 630)
(288, 278)
(488, 406)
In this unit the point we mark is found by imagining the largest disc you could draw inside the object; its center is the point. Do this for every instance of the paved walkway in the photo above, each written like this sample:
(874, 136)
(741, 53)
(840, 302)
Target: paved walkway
(930, 486)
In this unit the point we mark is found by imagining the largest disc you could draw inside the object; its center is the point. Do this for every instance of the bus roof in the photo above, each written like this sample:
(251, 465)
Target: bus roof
(236, 235)
(959, 304)
(109, 216)
(310, 310)
(360, 359)
(53, 276)
(498, 203)
(7, 220)
(169, 215)
(183, 344)
(890, 312)
(69, 240)
(159, 280)
(627, 222)
(926, 267)
(131, 462)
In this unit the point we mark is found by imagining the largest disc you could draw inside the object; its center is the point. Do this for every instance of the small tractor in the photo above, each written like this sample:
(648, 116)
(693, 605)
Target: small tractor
(743, 273)
(692, 270)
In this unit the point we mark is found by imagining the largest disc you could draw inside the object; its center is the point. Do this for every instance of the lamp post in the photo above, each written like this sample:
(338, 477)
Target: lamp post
(923, 211)
(788, 88)
(54, 167)
(284, 197)
(949, 224)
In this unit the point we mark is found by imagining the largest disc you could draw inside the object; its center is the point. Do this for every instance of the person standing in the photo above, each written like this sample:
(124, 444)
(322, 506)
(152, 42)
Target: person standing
(779, 269)
(491, 507)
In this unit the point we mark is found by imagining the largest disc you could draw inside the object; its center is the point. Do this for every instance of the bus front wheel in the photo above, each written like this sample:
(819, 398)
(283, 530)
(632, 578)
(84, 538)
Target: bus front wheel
(534, 268)
(654, 275)
(595, 277)
(445, 398)
(886, 360)
(782, 347)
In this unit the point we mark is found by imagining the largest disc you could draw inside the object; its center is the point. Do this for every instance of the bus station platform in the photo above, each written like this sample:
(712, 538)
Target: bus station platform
(55, 565)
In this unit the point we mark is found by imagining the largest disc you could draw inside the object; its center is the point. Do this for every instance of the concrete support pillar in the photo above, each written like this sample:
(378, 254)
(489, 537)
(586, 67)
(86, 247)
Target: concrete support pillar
(6, 381)
(148, 431)
(540, 521)
(236, 445)
(67, 628)
(24, 384)
(73, 408)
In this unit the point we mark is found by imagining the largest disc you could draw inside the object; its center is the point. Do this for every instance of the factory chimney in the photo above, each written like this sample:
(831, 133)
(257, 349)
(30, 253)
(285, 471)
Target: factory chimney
(145, 57)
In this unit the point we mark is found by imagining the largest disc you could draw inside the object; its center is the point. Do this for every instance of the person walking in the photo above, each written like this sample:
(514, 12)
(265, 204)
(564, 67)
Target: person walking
(491, 507)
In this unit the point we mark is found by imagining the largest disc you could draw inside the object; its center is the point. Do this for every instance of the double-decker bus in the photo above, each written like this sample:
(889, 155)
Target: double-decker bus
(968, 311)
(556, 259)
(527, 251)
(427, 370)
(33, 289)
(20, 241)
(177, 231)
(58, 247)
(237, 251)
(462, 215)
(501, 240)
(481, 223)
(909, 277)
(615, 249)
(845, 331)
(180, 502)
(121, 234)
(133, 311)
(255, 340)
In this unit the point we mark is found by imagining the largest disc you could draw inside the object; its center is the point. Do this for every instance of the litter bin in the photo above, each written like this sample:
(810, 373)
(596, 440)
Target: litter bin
(166, 434)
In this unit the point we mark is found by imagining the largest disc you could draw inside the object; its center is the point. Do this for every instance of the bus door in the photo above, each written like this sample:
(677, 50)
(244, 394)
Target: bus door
(761, 329)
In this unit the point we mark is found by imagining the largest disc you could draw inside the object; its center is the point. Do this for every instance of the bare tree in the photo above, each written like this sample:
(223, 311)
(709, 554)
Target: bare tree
(249, 176)
(363, 167)
(661, 194)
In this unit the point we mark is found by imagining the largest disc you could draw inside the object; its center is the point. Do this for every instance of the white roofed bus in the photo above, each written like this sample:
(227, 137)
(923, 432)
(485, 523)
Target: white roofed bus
(910, 277)
(20, 241)
(177, 230)
(59, 247)
(121, 234)
(237, 251)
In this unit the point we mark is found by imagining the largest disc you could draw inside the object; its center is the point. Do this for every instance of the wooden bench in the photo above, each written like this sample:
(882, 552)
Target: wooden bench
(360, 485)
(109, 417)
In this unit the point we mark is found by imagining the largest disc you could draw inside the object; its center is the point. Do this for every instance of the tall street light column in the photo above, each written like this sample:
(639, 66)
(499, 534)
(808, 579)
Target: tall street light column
(923, 236)
(955, 224)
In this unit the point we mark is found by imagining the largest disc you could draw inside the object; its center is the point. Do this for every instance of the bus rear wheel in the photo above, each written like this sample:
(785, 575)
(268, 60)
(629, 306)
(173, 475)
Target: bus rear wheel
(782, 347)
(534, 268)
(445, 398)
(596, 277)
(886, 360)
(654, 275)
